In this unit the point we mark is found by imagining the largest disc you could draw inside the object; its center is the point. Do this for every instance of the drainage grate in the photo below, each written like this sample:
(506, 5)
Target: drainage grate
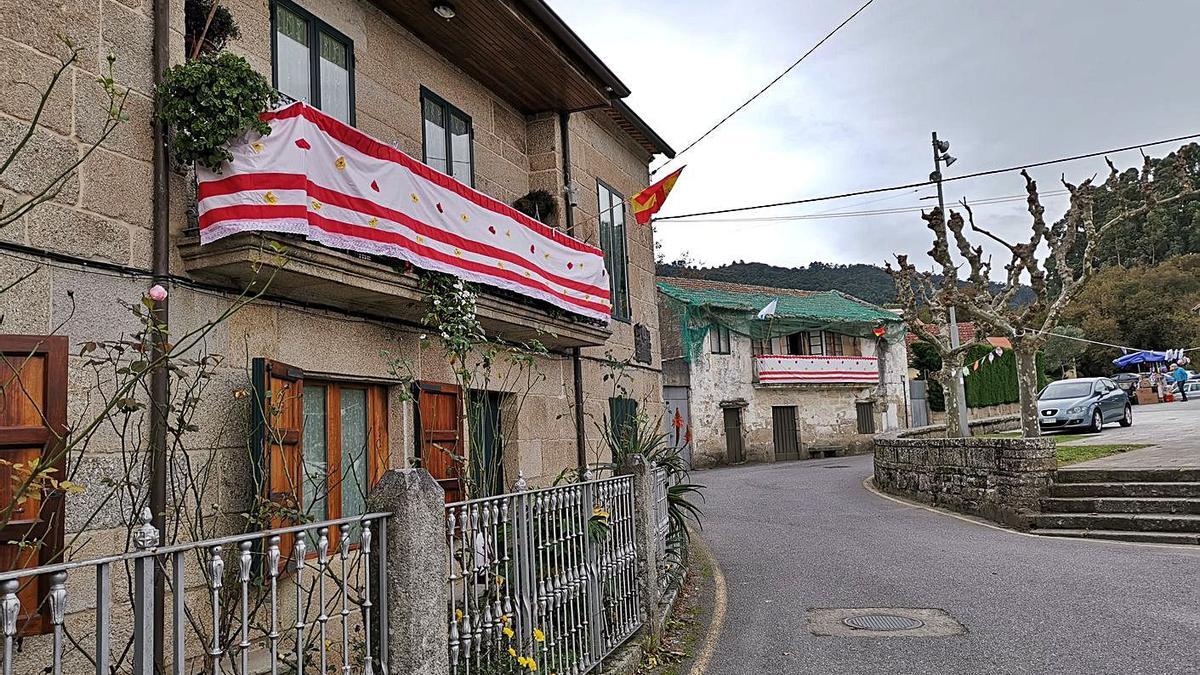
(882, 622)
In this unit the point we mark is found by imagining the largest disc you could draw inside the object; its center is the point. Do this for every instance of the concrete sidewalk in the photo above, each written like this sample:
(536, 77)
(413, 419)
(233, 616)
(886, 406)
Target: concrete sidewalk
(1172, 430)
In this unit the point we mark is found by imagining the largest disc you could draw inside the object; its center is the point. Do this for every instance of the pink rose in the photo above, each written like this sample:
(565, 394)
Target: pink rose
(157, 293)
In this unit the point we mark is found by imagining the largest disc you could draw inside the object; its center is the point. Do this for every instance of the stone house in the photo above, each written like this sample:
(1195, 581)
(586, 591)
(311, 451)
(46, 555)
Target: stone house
(817, 377)
(503, 98)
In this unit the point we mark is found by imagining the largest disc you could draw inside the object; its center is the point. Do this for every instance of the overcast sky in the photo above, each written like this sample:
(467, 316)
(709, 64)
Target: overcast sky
(1006, 83)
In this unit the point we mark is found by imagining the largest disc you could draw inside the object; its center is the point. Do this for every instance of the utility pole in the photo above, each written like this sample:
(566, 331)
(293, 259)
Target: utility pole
(941, 152)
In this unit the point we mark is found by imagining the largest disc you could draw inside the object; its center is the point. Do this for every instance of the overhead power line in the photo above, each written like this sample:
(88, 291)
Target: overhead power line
(769, 84)
(869, 212)
(907, 186)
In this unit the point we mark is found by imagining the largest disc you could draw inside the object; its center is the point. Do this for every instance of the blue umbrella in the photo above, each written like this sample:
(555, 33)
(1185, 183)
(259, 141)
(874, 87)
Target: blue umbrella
(1139, 357)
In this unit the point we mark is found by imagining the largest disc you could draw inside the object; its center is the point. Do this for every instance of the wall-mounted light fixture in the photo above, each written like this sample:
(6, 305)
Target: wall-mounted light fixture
(444, 10)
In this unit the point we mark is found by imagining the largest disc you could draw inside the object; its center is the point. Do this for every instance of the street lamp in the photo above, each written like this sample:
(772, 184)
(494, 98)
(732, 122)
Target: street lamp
(941, 153)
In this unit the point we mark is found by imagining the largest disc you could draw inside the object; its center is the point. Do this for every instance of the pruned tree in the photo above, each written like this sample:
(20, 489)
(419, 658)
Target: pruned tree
(1072, 245)
(916, 290)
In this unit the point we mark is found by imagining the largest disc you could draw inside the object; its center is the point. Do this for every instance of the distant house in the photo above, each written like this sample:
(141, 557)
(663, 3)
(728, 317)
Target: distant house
(817, 377)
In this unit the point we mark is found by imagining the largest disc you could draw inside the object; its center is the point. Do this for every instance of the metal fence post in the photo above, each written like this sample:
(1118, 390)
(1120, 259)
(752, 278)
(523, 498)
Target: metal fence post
(646, 539)
(594, 621)
(145, 538)
(525, 602)
(415, 554)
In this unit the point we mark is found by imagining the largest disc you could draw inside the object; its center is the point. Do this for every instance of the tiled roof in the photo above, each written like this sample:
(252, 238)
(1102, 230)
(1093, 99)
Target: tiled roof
(793, 303)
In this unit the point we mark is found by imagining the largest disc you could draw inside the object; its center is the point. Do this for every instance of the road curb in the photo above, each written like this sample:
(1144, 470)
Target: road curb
(716, 623)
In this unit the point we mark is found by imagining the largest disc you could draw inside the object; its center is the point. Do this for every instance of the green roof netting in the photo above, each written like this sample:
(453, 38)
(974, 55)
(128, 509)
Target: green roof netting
(700, 308)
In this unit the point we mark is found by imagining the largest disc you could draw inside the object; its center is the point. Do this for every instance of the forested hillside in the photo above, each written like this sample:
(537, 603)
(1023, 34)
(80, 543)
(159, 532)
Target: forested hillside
(868, 282)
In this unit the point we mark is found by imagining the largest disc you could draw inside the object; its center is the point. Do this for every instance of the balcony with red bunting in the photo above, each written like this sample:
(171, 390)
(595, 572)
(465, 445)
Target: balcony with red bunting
(795, 369)
(333, 217)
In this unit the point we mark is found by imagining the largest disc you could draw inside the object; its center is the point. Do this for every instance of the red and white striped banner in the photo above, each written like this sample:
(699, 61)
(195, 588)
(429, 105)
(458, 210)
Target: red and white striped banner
(317, 177)
(796, 369)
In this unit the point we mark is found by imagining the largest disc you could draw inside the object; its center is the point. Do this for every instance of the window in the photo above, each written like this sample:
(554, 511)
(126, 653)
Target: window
(816, 345)
(612, 242)
(447, 135)
(833, 344)
(622, 419)
(325, 443)
(33, 422)
(762, 347)
(720, 339)
(312, 62)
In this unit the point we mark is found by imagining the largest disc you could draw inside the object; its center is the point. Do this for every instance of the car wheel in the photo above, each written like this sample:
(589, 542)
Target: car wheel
(1097, 422)
(1127, 418)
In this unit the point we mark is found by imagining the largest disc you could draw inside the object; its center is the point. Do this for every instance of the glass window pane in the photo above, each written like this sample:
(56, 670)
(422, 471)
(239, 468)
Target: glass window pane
(292, 56)
(460, 148)
(335, 78)
(315, 488)
(354, 452)
(435, 135)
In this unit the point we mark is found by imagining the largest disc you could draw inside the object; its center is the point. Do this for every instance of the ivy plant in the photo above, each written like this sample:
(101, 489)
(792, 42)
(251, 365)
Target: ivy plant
(210, 100)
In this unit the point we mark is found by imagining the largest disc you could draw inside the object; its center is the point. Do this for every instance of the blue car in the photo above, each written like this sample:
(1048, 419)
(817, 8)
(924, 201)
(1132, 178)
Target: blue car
(1083, 403)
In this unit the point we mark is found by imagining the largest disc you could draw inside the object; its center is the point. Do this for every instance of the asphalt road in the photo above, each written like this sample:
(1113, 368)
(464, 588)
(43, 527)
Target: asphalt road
(793, 536)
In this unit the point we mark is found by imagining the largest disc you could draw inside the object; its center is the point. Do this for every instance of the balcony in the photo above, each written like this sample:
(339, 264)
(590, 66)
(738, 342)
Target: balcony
(788, 369)
(310, 273)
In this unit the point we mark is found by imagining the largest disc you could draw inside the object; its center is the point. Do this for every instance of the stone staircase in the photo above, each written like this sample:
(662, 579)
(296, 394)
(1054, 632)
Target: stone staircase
(1146, 505)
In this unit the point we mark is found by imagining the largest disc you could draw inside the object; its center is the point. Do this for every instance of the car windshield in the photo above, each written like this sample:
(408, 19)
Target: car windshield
(1057, 390)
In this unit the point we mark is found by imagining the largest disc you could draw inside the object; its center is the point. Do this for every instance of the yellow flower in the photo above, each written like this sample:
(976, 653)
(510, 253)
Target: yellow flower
(539, 635)
(505, 619)
(340, 163)
(500, 582)
(512, 652)
(458, 615)
(599, 512)
(508, 632)
(256, 147)
(522, 661)
(531, 663)
(270, 198)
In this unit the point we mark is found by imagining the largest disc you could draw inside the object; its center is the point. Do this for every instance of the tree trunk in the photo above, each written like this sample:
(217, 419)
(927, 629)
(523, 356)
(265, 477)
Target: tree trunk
(952, 390)
(1026, 351)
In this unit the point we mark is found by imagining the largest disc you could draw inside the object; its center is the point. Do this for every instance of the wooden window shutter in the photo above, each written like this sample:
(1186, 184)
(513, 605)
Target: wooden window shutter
(439, 428)
(377, 433)
(278, 424)
(33, 427)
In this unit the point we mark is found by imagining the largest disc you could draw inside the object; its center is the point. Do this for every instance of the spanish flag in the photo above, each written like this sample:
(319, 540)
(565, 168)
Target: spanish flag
(647, 202)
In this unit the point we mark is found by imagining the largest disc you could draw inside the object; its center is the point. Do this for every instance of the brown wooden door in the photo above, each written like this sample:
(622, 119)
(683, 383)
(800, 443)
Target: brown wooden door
(33, 413)
(279, 390)
(786, 435)
(734, 452)
(440, 435)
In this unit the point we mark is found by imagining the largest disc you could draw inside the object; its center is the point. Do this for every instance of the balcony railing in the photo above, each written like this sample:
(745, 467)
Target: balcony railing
(795, 369)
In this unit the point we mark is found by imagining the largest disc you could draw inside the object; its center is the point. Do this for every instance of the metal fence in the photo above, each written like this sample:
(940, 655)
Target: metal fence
(543, 579)
(228, 612)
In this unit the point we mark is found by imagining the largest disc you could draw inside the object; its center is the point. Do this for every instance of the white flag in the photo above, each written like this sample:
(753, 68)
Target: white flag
(769, 310)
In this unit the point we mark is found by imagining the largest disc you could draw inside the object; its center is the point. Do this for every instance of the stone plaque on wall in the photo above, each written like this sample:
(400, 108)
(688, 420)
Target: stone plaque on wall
(641, 343)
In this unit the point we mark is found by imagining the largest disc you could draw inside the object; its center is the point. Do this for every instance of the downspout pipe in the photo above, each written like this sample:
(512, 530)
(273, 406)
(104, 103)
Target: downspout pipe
(160, 267)
(564, 120)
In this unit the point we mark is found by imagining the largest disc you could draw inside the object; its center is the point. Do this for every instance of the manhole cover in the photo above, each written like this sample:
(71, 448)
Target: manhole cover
(882, 622)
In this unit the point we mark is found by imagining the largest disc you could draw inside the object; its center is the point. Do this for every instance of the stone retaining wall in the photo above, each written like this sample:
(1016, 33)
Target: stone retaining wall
(1000, 479)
